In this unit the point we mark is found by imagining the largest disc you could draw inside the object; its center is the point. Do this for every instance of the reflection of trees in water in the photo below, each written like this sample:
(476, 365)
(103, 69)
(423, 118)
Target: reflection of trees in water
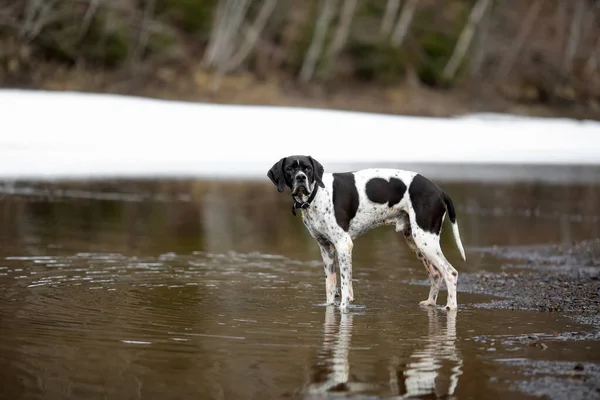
(431, 369)
(217, 216)
(549, 212)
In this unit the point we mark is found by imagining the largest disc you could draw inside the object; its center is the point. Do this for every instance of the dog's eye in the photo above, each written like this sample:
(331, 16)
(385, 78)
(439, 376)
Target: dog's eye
(288, 168)
(307, 168)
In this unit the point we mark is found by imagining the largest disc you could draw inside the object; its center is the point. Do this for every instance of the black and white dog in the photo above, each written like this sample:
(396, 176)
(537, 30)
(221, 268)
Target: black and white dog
(339, 207)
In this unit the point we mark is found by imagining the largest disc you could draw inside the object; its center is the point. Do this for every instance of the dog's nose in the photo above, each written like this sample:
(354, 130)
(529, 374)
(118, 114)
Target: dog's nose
(301, 178)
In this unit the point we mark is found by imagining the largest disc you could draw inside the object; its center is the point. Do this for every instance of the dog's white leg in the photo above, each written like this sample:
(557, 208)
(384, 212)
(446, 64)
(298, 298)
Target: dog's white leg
(343, 248)
(328, 254)
(436, 281)
(434, 277)
(451, 278)
(428, 244)
(449, 273)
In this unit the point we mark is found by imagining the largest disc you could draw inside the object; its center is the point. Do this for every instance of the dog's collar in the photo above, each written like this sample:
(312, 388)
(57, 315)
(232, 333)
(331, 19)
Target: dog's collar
(305, 204)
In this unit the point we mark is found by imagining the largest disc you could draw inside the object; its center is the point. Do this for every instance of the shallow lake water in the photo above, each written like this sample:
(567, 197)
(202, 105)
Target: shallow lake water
(211, 289)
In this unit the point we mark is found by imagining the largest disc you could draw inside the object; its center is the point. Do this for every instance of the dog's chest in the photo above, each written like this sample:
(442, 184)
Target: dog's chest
(319, 219)
(316, 224)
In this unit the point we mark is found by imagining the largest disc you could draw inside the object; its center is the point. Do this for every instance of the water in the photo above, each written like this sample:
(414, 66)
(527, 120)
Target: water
(207, 289)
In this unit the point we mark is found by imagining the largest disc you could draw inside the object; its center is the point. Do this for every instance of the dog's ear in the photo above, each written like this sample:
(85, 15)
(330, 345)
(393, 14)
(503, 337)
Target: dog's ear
(276, 175)
(318, 170)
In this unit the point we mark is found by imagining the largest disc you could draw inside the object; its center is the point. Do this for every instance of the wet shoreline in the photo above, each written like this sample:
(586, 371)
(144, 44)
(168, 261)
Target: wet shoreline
(549, 278)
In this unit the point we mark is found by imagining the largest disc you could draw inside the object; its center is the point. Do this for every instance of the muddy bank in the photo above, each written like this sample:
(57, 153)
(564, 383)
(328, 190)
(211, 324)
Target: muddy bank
(562, 279)
(552, 278)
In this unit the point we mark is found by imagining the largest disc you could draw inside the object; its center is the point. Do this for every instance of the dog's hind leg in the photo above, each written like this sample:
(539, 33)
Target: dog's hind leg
(328, 255)
(435, 278)
(450, 275)
(427, 247)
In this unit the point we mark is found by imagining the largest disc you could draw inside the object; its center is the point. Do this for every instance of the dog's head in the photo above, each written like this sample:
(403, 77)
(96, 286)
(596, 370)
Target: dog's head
(299, 173)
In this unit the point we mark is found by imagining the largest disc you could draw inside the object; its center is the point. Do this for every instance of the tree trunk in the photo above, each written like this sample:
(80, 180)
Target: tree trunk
(38, 14)
(89, 17)
(211, 50)
(466, 36)
(252, 36)
(343, 29)
(318, 40)
(144, 35)
(226, 24)
(526, 27)
(560, 23)
(387, 23)
(404, 21)
(482, 46)
(31, 9)
(237, 13)
(592, 62)
(574, 34)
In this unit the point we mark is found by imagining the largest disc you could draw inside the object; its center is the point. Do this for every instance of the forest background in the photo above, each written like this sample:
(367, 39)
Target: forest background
(416, 57)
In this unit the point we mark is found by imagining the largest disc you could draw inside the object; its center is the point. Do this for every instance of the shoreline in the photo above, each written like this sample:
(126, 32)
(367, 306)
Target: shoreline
(545, 278)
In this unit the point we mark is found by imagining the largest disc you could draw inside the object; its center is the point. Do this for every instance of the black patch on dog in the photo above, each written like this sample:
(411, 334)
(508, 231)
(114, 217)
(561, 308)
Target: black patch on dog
(449, 207)
(345, 198)
(428, 203)
(381, 191)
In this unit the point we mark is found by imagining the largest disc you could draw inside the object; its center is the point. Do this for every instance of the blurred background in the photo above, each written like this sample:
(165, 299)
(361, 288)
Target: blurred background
(420, 57)
(126, 272)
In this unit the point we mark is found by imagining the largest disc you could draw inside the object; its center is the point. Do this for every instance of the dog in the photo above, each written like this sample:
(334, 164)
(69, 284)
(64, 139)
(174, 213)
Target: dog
(339, 207)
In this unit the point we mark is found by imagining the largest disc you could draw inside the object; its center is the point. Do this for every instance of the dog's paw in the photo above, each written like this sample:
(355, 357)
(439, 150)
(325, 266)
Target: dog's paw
(427, 303)
(344, 307)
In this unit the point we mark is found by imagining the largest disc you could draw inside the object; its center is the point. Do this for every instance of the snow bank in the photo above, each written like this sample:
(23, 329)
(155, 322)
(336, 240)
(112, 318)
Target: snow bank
(64, 134)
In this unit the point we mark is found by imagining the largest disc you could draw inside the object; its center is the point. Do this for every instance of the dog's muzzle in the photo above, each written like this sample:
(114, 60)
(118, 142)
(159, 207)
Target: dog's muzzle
(300, 184)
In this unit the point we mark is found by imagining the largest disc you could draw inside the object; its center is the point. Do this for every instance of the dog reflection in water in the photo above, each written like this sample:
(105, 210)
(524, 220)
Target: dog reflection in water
(432, 369)
(331, 374)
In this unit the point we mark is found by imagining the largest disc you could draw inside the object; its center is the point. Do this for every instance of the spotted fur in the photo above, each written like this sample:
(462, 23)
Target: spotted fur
(348, 205)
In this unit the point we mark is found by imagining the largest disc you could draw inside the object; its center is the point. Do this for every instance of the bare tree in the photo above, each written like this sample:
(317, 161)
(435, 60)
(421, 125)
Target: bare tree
(211, 51)
(38, 14)
(144, 35)
(560, 23)
(391, 10)
(88, 17)
(318, 40)
(228, 19)
(343, 29)
(482, 43)
(526, 28)
(591, 64)
(466, 36)
(574, 34)
(404, 21)
(252, 36)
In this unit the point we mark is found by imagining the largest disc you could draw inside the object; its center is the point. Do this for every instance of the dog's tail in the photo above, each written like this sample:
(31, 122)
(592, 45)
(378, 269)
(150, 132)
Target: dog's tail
(452, 216)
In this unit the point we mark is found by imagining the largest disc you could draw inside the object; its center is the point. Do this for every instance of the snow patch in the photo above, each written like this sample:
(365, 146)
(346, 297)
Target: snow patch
(77, 135)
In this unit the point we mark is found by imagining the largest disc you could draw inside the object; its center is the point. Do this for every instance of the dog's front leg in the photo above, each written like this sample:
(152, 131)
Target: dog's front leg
(343, 248)
(328, 254)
